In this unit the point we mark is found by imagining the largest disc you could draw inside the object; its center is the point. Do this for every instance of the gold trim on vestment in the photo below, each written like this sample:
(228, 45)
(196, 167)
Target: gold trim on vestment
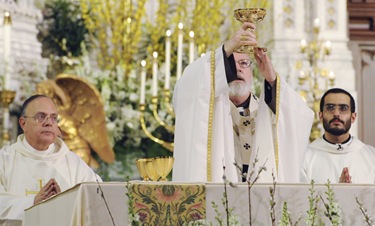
(277, 120)
(210, 117)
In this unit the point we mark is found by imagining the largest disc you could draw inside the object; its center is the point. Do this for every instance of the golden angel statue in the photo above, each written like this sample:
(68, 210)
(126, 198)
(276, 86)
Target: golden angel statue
(82, 117)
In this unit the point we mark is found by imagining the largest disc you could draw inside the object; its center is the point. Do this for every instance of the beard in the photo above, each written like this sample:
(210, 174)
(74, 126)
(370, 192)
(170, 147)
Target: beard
(334, 130)
(238, 89)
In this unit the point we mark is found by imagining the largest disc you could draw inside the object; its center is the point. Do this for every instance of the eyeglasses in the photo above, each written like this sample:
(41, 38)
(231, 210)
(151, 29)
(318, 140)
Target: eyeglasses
(244, 63)
(343, 108)
(42, 117)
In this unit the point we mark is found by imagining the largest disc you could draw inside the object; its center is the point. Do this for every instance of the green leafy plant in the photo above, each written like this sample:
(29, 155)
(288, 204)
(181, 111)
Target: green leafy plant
(311, 218)
(62, 29)
(333, 210)
(366, 216)
(251, 179)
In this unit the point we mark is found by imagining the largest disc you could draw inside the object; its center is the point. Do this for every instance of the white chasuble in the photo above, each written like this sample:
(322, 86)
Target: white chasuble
(23, 172)
(277, 138)
(325, 161)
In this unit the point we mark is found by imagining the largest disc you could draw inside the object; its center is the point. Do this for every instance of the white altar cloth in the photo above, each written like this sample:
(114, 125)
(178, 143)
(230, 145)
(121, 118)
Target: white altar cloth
(84, 205)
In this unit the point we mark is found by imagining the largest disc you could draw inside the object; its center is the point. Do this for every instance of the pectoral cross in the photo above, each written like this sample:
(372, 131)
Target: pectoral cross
(31, 192)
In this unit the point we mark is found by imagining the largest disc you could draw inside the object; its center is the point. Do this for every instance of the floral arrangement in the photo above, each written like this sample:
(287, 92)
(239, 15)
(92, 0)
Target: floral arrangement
(120, 98)
(69, 53)
(61, 33)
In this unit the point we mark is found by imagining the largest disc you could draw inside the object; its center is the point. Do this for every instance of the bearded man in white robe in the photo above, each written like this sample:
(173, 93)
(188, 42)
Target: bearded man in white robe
(39, 165)
(220, 122)
(338, 156)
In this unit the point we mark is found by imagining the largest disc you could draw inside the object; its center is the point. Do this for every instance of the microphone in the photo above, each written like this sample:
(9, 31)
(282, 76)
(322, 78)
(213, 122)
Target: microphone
(99, 188)
(339, 148)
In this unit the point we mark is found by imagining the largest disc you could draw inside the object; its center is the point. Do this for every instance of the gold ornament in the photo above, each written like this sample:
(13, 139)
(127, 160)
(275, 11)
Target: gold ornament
(82, 124)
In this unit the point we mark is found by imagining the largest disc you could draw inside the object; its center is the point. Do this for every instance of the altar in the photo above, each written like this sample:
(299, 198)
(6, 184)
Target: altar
(170, 203)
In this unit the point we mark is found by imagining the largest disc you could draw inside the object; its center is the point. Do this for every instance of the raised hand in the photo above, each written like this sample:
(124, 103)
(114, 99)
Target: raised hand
(243, 36)
(265, 65)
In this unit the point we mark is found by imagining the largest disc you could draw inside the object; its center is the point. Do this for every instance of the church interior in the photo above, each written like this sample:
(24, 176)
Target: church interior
(113, 65)
(53, 43)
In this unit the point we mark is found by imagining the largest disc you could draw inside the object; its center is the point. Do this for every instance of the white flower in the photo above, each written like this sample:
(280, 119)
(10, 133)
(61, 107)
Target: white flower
(110, 126)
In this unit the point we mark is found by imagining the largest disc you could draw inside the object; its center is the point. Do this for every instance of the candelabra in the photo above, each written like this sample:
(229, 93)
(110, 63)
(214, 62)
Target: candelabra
(165, 101)
(6, 97)
(314, 79)
(170, 128)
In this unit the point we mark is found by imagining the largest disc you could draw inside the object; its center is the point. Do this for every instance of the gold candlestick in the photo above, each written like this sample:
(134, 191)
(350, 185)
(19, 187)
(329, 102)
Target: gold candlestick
(7, 97)
(165, 144)
(315, 80)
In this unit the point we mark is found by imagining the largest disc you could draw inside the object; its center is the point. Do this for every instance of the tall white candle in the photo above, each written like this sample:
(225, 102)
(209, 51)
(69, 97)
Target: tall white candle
(155, 75)
(327, 47)
(7, 47)
(316, 25)
(167, 59)
(191, 47)
(143, 82)
(179, 50)
(303, 45)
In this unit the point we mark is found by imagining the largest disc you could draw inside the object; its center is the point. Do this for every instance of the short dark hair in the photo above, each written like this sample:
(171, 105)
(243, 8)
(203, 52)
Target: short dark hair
(338, 90)
(29, 100)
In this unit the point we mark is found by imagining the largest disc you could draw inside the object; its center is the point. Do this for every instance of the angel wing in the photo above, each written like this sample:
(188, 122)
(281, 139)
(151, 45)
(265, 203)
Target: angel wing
(82, 112)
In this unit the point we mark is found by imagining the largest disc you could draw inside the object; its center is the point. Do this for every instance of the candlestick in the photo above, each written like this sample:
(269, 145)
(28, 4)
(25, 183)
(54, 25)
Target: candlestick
(179, 50)
(327, 47)
(6, 98)
(155, 75)
(303, 45)
(191, 47)
(316, 25)
(143, 82)
(7, 47)
(167, 60)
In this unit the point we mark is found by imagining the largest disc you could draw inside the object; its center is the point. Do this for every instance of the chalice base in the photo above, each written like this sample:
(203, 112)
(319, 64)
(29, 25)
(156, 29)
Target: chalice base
(249, 49)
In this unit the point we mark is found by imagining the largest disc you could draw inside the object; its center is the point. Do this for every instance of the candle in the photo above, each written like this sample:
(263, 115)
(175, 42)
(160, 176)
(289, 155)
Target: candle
(155, 75)
(331, 77)
(191, 47)
(129, 21)
(179, 50)
(316, 25)
(7, 47)
(327, 47)
(303, 45)
(143, 82)
(167, 60)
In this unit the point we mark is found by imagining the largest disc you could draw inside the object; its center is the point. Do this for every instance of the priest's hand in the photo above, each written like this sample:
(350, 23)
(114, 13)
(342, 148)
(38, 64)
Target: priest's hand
(243, 36)
(345, 176)
(265, 65)
(47, 191)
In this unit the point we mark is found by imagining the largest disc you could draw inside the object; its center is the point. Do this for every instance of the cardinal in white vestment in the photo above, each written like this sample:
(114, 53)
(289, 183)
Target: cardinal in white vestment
(338, 156)
(39, 165)
(219, 121)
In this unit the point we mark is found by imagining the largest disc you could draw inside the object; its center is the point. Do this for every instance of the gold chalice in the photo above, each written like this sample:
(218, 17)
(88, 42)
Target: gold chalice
(150, 170)
(253, 15)
(141, 168)
(163, 166)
